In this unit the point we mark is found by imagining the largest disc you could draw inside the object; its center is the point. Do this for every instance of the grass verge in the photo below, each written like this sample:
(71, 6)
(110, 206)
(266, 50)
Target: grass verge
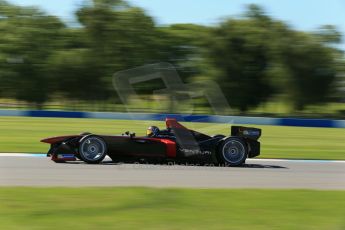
(22, 134)
(148, 208)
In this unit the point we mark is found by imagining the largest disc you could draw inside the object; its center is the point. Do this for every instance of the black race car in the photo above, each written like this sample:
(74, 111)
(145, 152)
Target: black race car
(177, 143)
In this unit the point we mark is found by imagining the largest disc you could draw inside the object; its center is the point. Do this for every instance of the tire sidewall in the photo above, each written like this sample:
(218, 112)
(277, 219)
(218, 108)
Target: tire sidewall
(221, 147)
(82, 157)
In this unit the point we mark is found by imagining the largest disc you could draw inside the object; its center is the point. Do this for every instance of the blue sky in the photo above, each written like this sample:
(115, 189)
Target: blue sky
(302, 14)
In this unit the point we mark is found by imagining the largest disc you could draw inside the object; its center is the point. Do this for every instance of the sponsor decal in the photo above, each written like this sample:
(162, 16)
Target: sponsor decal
(191, 152)
(64, 156)
(251, 132)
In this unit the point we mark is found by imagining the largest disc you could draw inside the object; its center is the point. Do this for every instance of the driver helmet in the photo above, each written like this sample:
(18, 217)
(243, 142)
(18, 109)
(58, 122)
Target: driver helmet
(152, 131)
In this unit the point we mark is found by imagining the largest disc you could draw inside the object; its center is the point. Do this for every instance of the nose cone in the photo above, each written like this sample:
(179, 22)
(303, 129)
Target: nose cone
(52, 140)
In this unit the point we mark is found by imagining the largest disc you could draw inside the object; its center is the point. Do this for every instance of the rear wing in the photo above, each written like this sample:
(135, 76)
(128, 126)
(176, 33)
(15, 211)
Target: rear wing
(247, 132)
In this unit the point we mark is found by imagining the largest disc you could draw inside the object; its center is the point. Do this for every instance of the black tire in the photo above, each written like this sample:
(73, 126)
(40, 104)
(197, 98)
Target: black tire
(233, 151)
(85, 133)
(92, 149)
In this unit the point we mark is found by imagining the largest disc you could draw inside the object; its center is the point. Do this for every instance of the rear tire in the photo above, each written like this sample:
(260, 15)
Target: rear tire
(92, 149)
(85, 133)
(233, 151)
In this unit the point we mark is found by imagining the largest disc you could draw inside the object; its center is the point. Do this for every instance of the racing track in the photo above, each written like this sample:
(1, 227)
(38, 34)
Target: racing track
(19, 170)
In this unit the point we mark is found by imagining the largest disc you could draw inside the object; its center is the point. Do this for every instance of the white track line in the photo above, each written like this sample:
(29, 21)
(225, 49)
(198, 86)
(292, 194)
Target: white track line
(22, 155)
(275, 160)
(300, 160)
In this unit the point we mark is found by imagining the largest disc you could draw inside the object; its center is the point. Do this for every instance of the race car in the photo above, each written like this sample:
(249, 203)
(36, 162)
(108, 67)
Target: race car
(176, 143)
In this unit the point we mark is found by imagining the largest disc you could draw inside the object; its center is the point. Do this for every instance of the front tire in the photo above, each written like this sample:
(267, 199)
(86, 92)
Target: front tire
(92, 149)
(233, 151)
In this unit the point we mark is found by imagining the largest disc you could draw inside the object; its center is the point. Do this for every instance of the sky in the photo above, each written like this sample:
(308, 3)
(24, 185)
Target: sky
(301, 14)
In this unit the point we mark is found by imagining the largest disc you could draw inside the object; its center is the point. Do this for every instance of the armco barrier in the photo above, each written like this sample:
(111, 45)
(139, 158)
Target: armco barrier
(180, 117)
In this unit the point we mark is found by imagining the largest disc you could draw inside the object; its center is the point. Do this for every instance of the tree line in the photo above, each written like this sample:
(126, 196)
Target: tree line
(254, 58)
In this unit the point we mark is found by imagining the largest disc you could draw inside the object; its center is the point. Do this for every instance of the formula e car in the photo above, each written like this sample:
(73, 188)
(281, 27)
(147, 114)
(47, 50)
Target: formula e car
(177, 143)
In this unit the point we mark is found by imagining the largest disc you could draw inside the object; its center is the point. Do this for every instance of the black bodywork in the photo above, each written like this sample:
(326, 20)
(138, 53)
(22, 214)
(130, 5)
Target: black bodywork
(181, 145)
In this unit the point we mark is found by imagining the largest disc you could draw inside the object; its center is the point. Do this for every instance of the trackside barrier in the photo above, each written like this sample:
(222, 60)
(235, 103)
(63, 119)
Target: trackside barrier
(327, 123)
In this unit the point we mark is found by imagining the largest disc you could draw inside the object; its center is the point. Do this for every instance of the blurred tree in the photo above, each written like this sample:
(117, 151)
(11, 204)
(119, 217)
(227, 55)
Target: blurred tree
(239, 51)
(256, 56)
(251, 57)
(332, 38)
(28, 38)
(121, 37)
(328, 34)
(181, 45)
(118, 37)
(76, 76)
(312, 69)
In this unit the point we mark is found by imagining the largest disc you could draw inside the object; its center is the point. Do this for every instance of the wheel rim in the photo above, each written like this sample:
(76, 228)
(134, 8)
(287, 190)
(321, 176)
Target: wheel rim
(92, 148)
(234, 151)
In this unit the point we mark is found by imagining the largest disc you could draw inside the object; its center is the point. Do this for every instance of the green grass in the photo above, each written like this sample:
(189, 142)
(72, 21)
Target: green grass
(146, 208)
(21, 134)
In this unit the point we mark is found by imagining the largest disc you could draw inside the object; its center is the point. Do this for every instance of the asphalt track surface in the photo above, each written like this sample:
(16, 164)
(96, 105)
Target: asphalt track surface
(19, 170)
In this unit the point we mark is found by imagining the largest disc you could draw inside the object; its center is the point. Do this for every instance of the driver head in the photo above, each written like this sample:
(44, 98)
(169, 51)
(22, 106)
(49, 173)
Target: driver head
(152, 131)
